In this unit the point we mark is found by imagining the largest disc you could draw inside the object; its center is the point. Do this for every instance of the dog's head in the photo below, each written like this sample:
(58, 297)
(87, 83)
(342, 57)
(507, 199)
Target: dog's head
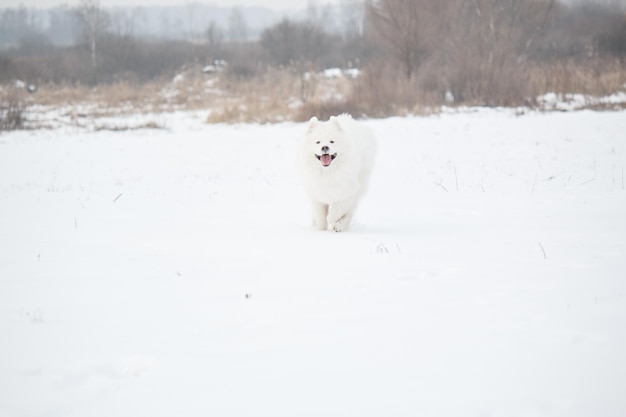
(325, 140)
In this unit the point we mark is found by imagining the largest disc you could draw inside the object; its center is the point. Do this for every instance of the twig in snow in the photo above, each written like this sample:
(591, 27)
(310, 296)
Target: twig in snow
(381, 248)
(534, 182)
(456, 179)
(117, 198)
(588, 181)
(439, 184)
(543, 250)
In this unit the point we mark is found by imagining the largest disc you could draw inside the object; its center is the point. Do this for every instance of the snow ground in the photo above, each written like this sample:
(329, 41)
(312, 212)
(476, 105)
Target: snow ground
(173, 272)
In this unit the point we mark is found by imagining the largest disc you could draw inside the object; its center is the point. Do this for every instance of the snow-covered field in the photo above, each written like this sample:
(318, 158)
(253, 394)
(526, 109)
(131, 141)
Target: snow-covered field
(173, 272)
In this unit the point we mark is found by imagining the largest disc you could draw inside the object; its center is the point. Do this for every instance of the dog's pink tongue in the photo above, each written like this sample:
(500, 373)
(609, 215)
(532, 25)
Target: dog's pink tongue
(326, 160)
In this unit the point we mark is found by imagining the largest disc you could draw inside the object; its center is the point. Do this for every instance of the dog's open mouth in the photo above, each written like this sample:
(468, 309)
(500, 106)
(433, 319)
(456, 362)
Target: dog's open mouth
(326, 159)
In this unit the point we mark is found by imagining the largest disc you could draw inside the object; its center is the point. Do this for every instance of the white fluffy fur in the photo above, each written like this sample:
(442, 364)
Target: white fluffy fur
(336, 189)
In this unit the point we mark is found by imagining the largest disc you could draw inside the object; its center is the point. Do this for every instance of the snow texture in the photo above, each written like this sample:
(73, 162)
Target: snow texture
(174, 272)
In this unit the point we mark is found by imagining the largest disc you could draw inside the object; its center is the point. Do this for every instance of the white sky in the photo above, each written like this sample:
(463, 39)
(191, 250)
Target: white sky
(271, 4)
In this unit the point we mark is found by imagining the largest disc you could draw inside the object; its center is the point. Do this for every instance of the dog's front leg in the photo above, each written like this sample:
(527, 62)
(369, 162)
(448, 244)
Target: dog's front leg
(340, 214)
(320, 212)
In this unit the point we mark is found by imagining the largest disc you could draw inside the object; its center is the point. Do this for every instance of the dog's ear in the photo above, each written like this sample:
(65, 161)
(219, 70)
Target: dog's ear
(312, 124)
(336, 122)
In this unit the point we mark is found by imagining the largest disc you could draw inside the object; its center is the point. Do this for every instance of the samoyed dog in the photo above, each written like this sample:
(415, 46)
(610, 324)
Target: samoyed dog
(335, 161)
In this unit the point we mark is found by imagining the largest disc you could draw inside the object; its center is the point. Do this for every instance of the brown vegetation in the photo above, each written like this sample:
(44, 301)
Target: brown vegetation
(11, 109)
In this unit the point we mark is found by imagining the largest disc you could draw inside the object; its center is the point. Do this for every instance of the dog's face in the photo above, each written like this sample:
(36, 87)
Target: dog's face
(325, 141)
(326, 153)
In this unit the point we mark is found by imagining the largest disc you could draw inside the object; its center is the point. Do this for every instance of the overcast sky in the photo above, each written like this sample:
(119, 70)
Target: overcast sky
(271, 4)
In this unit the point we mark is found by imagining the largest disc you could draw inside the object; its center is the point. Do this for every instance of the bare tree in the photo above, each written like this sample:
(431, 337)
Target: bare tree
(352, 18)
(124, 22)
(405, 26)
(62, 25)
(214, 37)
(321, 16)
(191, 20)
(93, 22)
(237, 26)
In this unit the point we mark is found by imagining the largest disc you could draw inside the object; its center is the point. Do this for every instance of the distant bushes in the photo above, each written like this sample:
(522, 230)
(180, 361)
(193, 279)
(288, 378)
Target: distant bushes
(289, 42)
(118, 59)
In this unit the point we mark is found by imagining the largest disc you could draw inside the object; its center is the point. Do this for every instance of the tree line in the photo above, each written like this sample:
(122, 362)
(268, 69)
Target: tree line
(462, 50)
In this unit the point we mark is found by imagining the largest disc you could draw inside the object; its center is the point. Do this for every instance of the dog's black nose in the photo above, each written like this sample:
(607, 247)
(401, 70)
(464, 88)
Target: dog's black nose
(325, 149)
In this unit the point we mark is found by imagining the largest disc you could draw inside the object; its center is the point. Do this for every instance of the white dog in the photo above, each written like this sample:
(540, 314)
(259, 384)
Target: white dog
(336, 159)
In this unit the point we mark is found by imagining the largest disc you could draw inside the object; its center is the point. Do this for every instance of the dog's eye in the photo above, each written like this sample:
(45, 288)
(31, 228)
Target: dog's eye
(318, 142)
(332, 141)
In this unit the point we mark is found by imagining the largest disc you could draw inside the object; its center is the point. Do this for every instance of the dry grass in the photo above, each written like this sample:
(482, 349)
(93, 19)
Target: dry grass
(269, 97)
(106, 99)
(280, 95)
(12, 104)
(595, 76)
(383, 91)
(286, 95)
(266, 98)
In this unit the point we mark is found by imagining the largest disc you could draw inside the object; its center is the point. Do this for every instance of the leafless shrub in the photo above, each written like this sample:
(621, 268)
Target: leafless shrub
(487, 57)
(471, 49)
(484, 52)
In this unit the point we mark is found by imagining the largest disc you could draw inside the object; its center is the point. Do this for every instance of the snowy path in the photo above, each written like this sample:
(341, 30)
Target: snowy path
(173, 273)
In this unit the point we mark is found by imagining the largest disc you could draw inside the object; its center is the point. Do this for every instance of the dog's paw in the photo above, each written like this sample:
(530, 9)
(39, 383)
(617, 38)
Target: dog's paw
(320, 226)
(337, 227)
